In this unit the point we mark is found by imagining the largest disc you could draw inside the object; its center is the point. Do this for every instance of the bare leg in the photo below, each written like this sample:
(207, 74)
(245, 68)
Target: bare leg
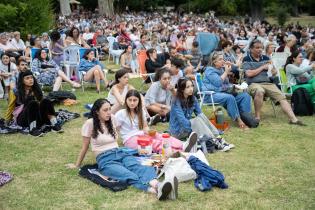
(57, 83)
(65, 78)
(288, 110)
(258, 102)
(93, 73)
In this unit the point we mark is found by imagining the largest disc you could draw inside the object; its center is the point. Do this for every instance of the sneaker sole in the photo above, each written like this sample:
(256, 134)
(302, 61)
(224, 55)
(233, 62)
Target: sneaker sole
(192, 141)
(166, 189)
(176, 187)
(156, 120)
(61, 131)
(40, 135)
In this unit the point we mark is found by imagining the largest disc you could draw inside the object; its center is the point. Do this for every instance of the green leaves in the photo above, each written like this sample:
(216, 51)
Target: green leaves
(26, 16)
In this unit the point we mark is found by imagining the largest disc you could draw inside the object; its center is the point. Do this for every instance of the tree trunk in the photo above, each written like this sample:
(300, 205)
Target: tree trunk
(65, 7)
(106, 7)
(256, 9)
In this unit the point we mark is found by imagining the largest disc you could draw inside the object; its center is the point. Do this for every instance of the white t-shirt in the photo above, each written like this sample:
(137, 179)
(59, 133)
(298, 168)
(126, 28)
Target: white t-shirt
(127, 127)
(175, 78)
(103, 142)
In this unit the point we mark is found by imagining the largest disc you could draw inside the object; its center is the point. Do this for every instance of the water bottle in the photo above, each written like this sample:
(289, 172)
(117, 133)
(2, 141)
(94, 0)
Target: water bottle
(166, 148)
(220, 116)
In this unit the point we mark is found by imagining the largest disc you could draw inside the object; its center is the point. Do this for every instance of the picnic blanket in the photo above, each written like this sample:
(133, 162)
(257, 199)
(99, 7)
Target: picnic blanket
(63, 116)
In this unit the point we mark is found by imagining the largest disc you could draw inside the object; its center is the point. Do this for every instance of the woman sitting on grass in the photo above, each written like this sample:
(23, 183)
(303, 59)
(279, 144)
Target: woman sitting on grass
(183, 106)
(117, 162)
(93, 69)
(48, 72)
(131, 123)
(29, 108)
(117, 93)
(158, 97)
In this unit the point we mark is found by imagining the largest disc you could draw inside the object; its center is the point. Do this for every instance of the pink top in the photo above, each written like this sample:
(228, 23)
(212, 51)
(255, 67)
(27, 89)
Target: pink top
(103, 142)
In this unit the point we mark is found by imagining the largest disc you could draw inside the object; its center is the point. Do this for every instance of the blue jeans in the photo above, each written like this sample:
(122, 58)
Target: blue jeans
(119, 164)
(234, 104)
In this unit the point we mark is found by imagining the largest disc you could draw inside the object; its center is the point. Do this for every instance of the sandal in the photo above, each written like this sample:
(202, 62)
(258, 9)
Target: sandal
(298, 122)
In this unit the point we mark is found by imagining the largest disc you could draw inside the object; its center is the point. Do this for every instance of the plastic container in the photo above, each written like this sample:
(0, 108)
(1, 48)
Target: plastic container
(219, 115)
(144, 145)
(166, 148)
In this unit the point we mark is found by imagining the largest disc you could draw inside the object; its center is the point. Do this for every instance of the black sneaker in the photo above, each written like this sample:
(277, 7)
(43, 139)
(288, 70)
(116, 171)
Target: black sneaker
(57, 128)
(154, 120)
(36, 132)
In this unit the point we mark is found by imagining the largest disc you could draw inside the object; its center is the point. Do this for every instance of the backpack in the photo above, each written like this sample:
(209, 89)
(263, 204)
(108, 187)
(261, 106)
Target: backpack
(301, 103)
(59, 96)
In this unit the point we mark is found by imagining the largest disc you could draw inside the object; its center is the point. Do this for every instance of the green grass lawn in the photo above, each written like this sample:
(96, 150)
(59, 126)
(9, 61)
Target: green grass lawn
(272, 167)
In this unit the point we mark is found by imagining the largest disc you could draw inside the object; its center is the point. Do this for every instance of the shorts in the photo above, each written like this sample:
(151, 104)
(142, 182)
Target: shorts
(268, 89)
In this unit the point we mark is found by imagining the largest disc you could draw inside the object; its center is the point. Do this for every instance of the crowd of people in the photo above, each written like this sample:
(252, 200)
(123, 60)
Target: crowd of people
(243, 51)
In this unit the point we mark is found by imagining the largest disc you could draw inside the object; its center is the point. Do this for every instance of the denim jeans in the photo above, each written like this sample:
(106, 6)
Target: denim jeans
(234, 105)
(119, 164)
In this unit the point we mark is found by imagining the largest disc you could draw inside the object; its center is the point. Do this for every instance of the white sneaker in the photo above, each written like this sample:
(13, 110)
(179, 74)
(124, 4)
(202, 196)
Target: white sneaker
(164, 189)
(191, 142)
(169, 177)
(222, 140)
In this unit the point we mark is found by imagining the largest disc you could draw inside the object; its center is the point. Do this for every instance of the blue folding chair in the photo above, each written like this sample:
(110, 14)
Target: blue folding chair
(82, 73)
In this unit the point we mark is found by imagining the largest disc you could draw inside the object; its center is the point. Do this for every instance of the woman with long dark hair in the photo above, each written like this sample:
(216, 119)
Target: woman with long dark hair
(117, 93)
(182, 125)
(131, 123)
(48, 72)
(74, 38)
(29, 108)
(117, 162)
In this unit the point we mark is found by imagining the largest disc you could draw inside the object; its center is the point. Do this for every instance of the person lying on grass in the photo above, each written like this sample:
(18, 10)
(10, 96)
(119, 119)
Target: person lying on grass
(117, 162)
(131, 123)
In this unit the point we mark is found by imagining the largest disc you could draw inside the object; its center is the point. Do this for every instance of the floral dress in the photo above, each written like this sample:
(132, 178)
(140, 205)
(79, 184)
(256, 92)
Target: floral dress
(46, 71)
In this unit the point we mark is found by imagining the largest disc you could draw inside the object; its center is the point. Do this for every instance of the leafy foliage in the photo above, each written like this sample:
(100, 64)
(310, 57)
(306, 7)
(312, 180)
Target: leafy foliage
(26, 16)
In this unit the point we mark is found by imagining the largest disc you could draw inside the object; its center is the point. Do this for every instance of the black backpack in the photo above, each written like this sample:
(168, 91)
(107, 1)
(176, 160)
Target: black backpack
(59, 96)
(301, 103)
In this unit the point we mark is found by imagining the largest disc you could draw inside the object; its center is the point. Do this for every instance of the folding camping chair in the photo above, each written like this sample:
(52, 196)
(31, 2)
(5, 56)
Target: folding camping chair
(81, 74)
(202, 93)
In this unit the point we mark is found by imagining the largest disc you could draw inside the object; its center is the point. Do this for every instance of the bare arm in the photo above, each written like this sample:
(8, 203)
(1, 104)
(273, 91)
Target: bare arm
(85, 147)
(118, 96)
(254, 72)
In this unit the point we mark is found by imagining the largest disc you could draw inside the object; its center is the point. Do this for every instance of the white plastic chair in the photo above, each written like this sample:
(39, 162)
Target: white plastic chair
(202, 94)
(111, 52)
(71, 58)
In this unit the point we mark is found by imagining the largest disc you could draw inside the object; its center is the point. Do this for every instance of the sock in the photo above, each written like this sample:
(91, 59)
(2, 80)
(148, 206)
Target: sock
(53, 121)
(32, 125)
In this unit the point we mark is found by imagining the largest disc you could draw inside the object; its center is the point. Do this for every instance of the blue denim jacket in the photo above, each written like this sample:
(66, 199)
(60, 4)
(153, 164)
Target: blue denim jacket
(212, 80)
(180, 117)
(86, 65)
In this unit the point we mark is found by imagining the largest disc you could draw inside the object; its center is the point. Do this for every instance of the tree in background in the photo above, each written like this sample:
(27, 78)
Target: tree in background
(26, 16)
